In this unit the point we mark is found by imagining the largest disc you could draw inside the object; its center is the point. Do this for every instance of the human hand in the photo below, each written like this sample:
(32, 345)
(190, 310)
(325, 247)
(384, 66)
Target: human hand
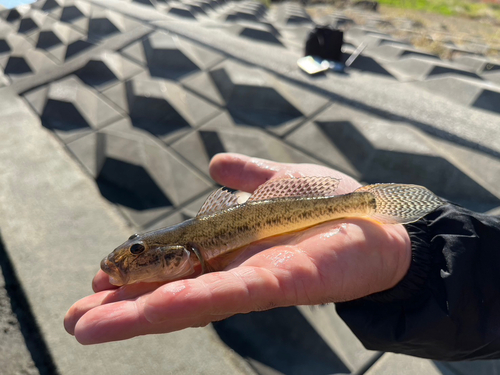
(332, 262)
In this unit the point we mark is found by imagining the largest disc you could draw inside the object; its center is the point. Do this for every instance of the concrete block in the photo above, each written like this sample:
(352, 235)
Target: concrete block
(163, 108)
(107, 68)
(227, 134)
(473, 93)
(171, 57)
(454, 88)
(181, 10)
(260, 98)
(256, 31)
(380, 151)
(279, 341)
(338, 336)
(70, 109)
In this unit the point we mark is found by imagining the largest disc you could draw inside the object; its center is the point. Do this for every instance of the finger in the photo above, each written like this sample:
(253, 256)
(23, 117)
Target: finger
(245, 173)
(240, 290)
(124, 320)
(101, 282)
(242, 172)
(127, 292)
(81, 307)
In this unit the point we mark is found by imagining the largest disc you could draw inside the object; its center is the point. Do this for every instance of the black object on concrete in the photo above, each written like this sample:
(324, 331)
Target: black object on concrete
(325, 42)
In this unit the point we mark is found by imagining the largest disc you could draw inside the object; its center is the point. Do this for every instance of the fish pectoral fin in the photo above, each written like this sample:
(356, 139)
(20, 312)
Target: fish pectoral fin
(219, 200)
(304, 187)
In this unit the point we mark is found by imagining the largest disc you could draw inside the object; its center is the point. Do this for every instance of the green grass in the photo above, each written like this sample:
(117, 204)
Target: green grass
(448, 7)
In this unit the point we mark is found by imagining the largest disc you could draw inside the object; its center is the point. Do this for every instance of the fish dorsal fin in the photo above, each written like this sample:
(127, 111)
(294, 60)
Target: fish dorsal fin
(296, 187)
(220, 199)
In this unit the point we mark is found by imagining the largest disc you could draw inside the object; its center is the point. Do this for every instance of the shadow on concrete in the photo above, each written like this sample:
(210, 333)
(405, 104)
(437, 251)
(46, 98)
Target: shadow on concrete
(385, 164)
(130, 185)
(211, 142)
(60, 115)
(279, 340)
(22, 309)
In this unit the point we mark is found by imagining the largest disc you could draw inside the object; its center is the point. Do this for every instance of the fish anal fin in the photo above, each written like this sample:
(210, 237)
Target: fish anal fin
(320, 186)
(219, 200)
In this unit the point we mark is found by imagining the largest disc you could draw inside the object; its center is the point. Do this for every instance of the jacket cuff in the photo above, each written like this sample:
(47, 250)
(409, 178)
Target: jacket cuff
(422, 258)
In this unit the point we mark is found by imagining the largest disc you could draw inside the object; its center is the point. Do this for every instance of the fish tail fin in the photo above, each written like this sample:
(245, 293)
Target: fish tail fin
(400, 203)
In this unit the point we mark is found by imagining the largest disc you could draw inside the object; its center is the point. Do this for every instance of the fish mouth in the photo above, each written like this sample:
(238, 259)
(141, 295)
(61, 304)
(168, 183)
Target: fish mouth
(116, 277)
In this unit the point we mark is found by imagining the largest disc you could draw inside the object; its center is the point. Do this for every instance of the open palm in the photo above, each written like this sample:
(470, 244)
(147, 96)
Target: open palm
(336, 261)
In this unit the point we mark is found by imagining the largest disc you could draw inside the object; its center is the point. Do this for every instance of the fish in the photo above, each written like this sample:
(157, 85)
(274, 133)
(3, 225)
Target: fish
(223, 225)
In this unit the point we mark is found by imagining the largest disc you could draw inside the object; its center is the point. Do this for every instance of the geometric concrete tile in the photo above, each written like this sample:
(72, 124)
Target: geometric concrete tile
(295, 36)
(76, 48)
(183, 213)
(290, 13)
(488, 100)
(48, 5)
(468, 160)
(466, 92)
(279, 341)
(311, 137)
(472, 62)
(394, 51)
(381, 151)
(243, 11)
(135, 172)
(19, 66)
(18, 43)
(392, 364)
(256, 31)
(74, 12)
(11, 15)
(106, 69)
(202, 84)
(227, 134)
(262, 99)
(70, 109)
(459, 90)
(416, 68)
(178, 9)
(337, 335)
(104, 22)
(55, 38)
(169, 56)
(32, 21)
(160, 107)
(366, 64)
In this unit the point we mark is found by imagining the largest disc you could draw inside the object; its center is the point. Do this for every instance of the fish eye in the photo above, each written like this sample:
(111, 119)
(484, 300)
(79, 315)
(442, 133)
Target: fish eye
(137, 248)
(134, 236)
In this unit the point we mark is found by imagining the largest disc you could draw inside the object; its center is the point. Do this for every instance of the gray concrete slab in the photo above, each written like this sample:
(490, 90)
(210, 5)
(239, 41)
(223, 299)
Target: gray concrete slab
(338, 336)
(56, 227)
(225, 133)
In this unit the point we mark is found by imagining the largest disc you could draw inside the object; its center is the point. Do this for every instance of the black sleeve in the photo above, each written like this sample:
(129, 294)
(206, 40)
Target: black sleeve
(447, 307)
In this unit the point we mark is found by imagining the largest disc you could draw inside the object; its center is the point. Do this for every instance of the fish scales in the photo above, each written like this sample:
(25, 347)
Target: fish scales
(233, 228)
(223, 226)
